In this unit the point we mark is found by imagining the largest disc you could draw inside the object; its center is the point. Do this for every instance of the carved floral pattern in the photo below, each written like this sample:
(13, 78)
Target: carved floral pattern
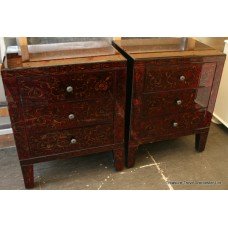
(159, 103)
(164, 125)
(60, 141)
(56, 115)
(168, 77)
(53, 88)
(62, 70)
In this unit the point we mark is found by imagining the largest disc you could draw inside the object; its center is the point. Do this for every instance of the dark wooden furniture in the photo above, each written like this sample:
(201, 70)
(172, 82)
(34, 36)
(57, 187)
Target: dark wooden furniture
(172, 88)
(66, 107)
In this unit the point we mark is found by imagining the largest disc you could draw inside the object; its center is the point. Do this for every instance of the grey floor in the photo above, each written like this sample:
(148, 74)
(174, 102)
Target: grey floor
(164, 165)
(5, 122)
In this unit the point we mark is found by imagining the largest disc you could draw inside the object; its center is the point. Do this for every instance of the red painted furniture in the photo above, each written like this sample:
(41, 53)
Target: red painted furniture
(66, 107)
(172, 88)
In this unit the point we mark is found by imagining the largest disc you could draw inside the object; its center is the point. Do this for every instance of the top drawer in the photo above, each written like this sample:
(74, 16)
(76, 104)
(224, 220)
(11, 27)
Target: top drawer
(171, 77)
(79, 86)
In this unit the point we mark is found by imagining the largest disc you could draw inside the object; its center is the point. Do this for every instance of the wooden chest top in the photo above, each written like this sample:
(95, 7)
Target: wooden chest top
(99, 56)
(140, 49)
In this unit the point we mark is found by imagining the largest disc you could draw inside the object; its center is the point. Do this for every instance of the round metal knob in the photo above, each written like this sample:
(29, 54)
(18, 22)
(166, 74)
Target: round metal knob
(182, 78)
(69, 89)
(71, 116)
(179, 102)
(73, 141)
(175, 124)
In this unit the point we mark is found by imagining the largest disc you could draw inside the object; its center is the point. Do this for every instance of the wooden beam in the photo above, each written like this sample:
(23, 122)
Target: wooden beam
(191, 44)
(23, 44)
(116, 38)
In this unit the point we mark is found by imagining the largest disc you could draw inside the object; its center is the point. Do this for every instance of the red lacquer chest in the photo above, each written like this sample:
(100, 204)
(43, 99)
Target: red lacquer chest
(66, 107)
(172, 89)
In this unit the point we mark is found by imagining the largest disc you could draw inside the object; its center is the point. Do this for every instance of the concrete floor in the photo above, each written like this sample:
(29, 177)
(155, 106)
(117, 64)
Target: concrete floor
(161, 165)
(4, 122)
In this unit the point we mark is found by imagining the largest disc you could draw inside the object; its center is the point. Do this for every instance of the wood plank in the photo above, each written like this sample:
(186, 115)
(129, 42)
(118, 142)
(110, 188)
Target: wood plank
(116, 38)
(83, 60)
(23, 43)
(152, 55)
(57, 52)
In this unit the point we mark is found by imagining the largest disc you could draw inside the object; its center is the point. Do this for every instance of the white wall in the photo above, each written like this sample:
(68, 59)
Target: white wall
(221, 107)
(2, 53)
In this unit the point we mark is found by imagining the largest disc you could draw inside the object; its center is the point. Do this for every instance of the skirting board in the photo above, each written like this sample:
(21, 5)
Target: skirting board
(6, 131)
(218, 119)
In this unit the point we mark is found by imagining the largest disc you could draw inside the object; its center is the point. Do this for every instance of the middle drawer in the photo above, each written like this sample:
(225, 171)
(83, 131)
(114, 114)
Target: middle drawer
(63, 115)
(168, 102)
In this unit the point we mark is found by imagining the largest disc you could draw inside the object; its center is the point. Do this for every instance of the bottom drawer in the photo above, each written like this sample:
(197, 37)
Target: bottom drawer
(71, 139)
(171, 124)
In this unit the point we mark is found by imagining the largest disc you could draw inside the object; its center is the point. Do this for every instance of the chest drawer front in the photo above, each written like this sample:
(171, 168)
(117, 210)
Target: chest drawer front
(80, 86)
(156, 104)
(63, 115)
(171, 77)
(171, 124)
(72, 139)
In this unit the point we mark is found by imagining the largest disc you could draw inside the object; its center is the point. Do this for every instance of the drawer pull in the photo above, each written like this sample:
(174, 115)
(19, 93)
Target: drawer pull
(179, 102)
(71, 116)
(182, 78)
(175, 124)
(69, 89)
(73, 141)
